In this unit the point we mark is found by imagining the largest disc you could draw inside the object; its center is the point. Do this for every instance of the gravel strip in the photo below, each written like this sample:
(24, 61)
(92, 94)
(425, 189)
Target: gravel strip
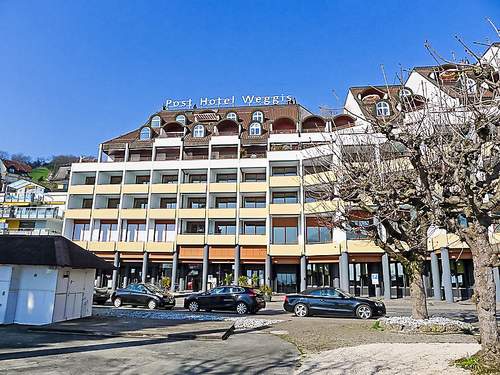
(389, 359)
(240, 323)
(434, 324)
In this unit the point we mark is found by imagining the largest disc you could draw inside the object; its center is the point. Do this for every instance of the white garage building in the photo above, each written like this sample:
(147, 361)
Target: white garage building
(45, 279)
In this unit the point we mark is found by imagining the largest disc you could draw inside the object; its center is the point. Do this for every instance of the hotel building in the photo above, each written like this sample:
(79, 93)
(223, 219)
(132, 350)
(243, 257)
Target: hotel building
(201, 195)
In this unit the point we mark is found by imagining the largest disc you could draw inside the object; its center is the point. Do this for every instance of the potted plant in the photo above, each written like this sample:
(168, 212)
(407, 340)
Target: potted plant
(267, 291)
(255, 280)
(165, 283)
(243, 280)
(228, 279)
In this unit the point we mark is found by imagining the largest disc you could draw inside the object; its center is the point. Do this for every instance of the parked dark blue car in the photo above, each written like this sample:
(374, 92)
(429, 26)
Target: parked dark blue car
(332, 301)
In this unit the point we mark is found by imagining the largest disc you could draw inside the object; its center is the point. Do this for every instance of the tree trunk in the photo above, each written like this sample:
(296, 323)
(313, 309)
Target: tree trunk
(484, 289)
(415, 270)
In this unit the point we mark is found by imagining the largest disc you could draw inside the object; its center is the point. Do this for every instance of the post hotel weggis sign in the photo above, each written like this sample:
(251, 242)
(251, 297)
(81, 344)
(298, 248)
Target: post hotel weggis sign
(228, 101)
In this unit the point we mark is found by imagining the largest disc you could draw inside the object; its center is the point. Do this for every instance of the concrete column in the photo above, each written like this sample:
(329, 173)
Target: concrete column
(175, 261)
(267, 271)
(144, 267)
(445, 264)
(496, 276)
(386, 274)
(204, 279)
(344, 271)
(98, 281)
(336, 282)
(303, 273)
(436, 277)
(125, 278)
(116, 263)
(236, 274)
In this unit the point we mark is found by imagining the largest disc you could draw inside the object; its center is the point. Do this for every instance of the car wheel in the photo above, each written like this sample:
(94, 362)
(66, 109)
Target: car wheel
(117, 302)
(301, 310)
(152, 304)
(193, 306)
(241, 308)
(364, 312)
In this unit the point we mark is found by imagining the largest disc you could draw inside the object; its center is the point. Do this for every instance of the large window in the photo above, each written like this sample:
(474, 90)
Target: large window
(141, 203)
(81, 231)
(155, 122)
(197, 178)
(255, 128)
(113, 203)
(199, 131)
(181, 119)
(115, 180)
(254, 177)
(225, 202)
(225, 227)
(316, 232)
(383, 109)
(169, 179)
(142, 180)
(258, 116)
(134, 231)
(164, 231)
(197, 227)
(108, 231)
(168, 203)
(196, 203)
(254, 202)
(90, 180)
(285, 197)
(87, 203)
(253, 227)
(285, 171)
(285, 231)
(356, 229)
(145, 134)
(226, 177)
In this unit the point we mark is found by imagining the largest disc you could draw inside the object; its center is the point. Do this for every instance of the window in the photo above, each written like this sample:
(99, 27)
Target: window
(285, 197)
(181, 119)
(196, 203)
(254, 177)
(285, 234)
(195, 227)
(113, 203)
(258, 116)
(316, 233)
(199, 131)
(470, 85)
(142, 179)
(108, 231)
(309, 197)
(197, 178)
(81, 231)
(115, 180)
(145, 134)
(169, 179)
(87, 203)
(356, 231)
(134, 231)
(225, 202)
(383, 109)
(90, 180)
(141, 203)
(254, 202)
(255, 128)
(254, 227)
(232, 116)
(284, 171)
(168, 203)
(226, 177)
(155, 122)
(314, 292)
(225, 228)
(404, 93)
(164, 232)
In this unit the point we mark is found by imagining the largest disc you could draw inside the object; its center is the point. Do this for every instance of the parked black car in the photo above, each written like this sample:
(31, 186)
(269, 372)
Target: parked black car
(242, 299)
(332, 301)
(101, 295)
(139, 294)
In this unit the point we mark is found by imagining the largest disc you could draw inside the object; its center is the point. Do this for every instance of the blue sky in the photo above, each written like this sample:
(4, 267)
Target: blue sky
(76, 73)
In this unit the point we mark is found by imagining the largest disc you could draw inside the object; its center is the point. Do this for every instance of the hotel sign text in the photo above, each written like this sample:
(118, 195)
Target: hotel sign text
(228, 101)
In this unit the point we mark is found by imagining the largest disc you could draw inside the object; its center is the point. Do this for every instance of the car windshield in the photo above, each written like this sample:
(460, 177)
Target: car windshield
(153, 288)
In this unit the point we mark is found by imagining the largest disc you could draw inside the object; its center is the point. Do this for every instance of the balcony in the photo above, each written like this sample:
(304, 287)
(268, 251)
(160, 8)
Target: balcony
(222, 213)
(284, 181)
(192, 213)
(78, 213)
(362, 246)
(285, 209)
(114, 189)
(101, 246)
(134, 213)
(164, 188)
(162, 213)
(285, 250)
(223, 187)
(105, 213)
(330, 248)
(20, 198)
(81, 189)
(253, 187)
(253, 213)
(321, 206)
(136, 189)
(196, 187)
(190, 239)
(253, 239)
(327, 177)
(31, 213)
(160, 247)
(221, 239)
(130, 246)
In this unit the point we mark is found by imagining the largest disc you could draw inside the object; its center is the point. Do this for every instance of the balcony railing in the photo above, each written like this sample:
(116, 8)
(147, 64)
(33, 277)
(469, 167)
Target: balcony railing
(29, 232)
(218, 155)
(18, 198)
(195, 157)
(30, 213)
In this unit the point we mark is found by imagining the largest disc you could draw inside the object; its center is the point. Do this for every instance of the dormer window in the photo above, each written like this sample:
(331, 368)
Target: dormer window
(404, 93)
(199, 131)
(383, 109)
(258, 116)
(255, 128)
(232, 116)
(145, 134)
(156, 122)
(181, 119)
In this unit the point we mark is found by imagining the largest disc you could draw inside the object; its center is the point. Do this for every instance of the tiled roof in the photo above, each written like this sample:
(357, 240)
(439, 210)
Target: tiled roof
(17, 165)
